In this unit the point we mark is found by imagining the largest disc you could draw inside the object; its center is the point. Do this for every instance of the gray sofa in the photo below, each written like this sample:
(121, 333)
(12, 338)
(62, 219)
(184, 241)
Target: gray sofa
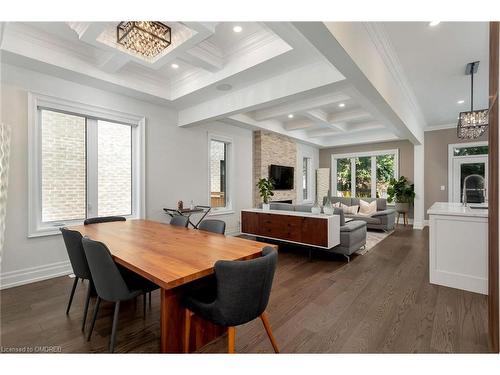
(383, 219)
(352, 233)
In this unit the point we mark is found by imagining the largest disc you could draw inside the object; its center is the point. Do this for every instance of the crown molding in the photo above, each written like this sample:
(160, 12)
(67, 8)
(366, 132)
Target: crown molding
(382, 43)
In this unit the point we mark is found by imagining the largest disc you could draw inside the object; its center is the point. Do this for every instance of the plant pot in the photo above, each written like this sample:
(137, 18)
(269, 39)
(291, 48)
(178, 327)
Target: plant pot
(266, 206)
(402, 207)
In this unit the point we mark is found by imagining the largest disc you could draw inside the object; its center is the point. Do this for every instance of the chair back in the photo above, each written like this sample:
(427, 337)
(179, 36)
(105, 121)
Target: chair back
(179, 221)
(212, 225)
(244, 287)
(103, 219)
(108, 280)
(73, 241)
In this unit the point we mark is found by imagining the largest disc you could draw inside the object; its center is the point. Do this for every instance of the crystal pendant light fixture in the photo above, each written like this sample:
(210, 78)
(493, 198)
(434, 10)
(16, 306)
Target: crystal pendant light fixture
(472, 124)
(146, 38)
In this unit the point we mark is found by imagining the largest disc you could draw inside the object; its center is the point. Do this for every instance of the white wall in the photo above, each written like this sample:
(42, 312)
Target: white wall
(312, 152)
(176, 168)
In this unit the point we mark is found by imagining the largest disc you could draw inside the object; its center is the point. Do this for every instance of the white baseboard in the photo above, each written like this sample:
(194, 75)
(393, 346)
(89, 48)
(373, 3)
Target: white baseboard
(34, 274)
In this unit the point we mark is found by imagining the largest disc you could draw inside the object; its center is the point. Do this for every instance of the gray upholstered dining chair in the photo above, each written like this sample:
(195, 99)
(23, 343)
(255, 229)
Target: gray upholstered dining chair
(103, 219)
(112, 283)
(179, 221)
(239, 295)
(212, 225)
(73, 241)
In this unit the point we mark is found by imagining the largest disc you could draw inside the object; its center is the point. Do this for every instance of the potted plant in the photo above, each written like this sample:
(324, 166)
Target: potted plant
(402, 193)
(265, 186)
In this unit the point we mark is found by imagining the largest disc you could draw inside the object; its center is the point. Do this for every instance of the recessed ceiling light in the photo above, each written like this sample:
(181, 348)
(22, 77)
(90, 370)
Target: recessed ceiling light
(290, 115)
(434, 23)
(237, 29)
(224, 87)
(175, 66)
(461, 102)
(342, 105)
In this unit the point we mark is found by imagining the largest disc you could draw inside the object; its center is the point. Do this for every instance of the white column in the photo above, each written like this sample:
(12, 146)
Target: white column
(418, 172)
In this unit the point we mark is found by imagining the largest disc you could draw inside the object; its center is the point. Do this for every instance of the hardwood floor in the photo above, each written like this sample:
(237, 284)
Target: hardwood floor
(379, 302)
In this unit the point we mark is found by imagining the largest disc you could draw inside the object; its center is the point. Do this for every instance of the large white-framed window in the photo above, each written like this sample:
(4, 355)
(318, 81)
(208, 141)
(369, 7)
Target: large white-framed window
(220, 174)
(364, 174)
(307, 179)
(84, 161)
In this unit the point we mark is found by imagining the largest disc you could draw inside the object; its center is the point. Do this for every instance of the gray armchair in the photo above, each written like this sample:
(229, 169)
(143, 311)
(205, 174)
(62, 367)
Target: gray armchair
(352, 235)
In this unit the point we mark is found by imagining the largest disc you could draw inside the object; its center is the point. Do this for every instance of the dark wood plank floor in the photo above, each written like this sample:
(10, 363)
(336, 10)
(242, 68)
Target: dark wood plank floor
(379, 302)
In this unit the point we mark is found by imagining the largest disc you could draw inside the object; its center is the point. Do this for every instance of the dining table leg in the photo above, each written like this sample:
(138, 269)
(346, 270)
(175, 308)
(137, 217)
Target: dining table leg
(172, 325)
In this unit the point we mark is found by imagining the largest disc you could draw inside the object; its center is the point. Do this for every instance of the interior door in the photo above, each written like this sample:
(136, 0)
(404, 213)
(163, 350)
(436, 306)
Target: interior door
(463, 167)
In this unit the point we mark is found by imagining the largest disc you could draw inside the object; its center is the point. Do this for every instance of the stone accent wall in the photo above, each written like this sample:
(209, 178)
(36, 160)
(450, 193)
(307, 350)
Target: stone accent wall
(270, 148)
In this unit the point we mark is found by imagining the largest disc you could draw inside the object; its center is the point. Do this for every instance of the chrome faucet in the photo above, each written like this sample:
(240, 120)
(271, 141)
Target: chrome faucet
(464, 191)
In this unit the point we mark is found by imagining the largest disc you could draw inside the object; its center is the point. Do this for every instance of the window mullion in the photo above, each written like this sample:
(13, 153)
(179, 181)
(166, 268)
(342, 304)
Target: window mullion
(374, 177)
(92, 176)
(353, 177)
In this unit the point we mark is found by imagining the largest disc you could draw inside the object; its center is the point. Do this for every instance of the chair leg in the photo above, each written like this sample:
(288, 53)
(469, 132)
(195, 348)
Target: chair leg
(187, 330)
(113, 329)
(96, 310)
(231, 333)
(144, 304)
(269, 331)
(150, 300)
(72, 294)
(86, 308)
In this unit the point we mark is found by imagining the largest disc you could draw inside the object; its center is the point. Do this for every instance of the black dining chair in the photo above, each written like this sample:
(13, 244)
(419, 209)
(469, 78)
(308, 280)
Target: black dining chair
(212, 225)
(112, 283)
(179, 221)
(239, 295)
(73, 241)
(103, 219)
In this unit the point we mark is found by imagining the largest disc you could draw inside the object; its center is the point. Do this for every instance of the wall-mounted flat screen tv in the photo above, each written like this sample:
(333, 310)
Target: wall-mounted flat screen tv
(281, 176)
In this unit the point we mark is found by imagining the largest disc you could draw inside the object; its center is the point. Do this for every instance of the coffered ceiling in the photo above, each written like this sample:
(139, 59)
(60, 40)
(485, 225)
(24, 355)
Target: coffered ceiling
(314, 81)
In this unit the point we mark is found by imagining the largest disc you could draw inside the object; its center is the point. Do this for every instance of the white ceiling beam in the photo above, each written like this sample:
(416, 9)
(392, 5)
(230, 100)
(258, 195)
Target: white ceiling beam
(356, 114)
(364, 126)
(320, 133)
(298, 125)
(314, 79)
(358, 138)
(247, 122)
(205, 55)
(321, 117)
(299, 106)
(362, 57)
(114, 62)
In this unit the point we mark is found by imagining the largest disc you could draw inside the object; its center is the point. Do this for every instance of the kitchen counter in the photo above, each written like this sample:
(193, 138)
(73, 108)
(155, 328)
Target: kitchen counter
(458, 209)
(458, 246)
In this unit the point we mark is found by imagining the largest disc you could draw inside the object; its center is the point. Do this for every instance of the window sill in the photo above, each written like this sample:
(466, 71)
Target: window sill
(221, 212)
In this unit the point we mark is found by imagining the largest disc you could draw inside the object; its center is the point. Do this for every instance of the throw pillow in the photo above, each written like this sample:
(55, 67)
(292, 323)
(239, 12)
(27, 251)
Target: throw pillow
(349, 210)
(366, 208)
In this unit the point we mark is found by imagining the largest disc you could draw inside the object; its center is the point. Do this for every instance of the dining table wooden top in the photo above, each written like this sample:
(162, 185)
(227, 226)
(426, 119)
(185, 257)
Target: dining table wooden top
(168, 255)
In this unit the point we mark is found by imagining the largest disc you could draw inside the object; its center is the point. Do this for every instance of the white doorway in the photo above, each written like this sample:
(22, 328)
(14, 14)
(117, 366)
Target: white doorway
(466, 159)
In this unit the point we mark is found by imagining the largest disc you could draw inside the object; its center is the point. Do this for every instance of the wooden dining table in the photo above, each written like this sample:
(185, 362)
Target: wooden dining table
(175, 259)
